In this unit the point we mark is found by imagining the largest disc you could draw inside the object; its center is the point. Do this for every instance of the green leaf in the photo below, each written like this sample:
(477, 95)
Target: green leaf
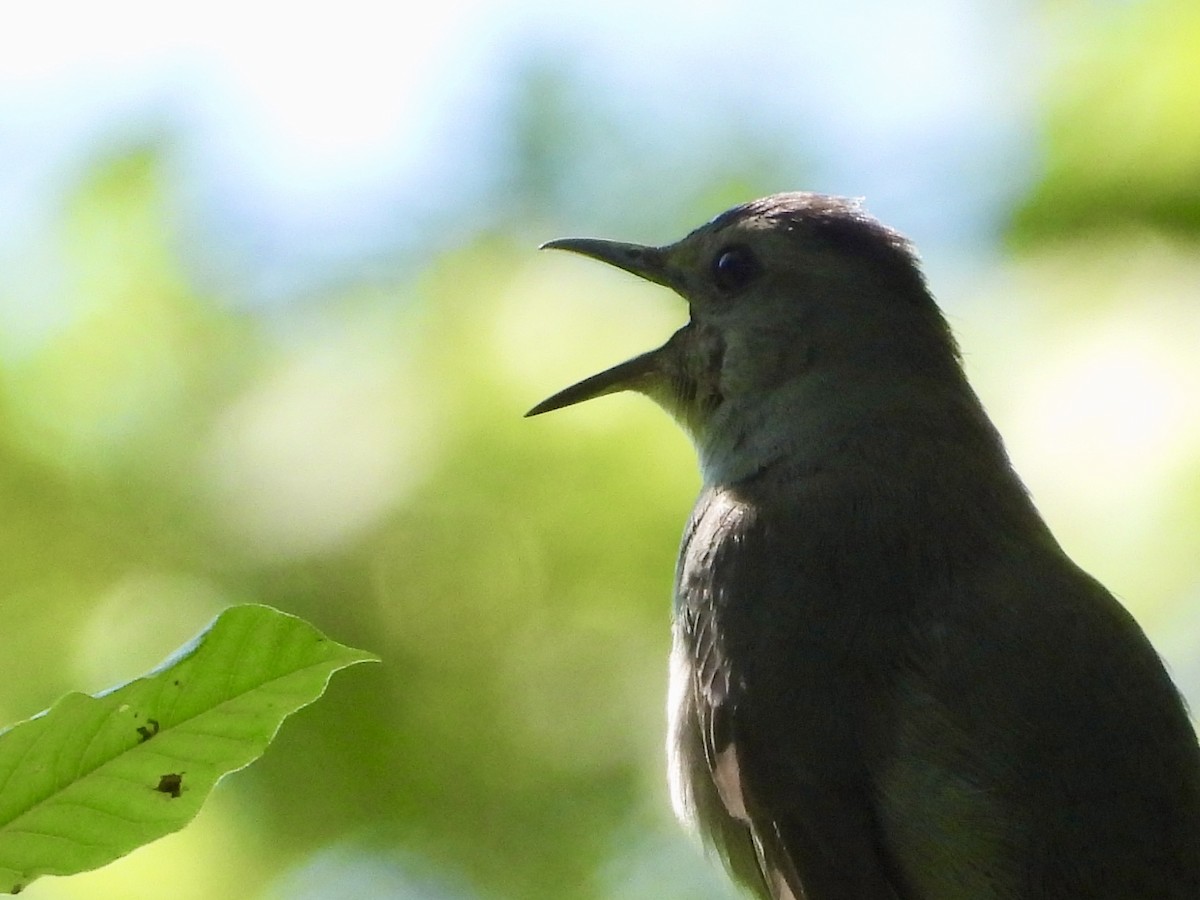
(92, 778)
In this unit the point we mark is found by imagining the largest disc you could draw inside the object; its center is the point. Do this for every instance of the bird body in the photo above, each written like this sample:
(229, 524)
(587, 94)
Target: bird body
(888, 681)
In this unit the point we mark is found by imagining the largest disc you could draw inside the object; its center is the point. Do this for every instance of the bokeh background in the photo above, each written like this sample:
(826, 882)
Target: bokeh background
(271, 310)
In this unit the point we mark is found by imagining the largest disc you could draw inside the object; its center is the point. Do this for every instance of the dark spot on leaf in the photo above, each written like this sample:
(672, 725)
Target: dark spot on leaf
(171, 783)
(149, 730)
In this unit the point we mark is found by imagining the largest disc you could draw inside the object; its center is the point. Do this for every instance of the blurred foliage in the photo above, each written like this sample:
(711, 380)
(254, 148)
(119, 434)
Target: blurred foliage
(364, 464)
(1122, 137)
(358, 457)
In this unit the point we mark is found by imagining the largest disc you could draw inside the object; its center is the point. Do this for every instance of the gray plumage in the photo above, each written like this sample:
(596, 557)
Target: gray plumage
(888, 681)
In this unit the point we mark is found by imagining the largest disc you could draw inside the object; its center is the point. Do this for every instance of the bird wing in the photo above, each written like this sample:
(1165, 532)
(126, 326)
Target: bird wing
(775, 712)
(716, 792)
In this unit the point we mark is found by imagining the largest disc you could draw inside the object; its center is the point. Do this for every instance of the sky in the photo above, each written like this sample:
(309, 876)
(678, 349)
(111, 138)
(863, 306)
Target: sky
(296, 130)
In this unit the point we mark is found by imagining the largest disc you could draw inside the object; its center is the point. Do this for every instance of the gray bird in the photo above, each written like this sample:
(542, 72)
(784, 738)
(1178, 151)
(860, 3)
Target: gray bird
(887, 678)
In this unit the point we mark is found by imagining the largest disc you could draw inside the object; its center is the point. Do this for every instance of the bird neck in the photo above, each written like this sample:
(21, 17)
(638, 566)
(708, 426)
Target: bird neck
(907, 427)
(876, 462)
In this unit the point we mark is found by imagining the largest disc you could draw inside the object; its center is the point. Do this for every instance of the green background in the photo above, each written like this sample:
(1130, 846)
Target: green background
(353, 452)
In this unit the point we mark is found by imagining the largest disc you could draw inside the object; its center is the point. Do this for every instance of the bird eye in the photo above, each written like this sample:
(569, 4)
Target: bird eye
(734, 268)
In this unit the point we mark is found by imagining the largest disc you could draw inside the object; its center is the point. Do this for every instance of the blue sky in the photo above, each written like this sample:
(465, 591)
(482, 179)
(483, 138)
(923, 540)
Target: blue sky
(297, 132)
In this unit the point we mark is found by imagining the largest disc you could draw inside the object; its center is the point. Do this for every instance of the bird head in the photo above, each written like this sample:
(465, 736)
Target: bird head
(801, 305)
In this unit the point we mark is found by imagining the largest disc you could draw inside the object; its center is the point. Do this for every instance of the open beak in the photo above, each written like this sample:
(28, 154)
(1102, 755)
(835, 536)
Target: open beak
(642, 373)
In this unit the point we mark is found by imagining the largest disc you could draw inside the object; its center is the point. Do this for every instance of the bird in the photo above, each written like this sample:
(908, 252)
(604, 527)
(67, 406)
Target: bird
(887, 679)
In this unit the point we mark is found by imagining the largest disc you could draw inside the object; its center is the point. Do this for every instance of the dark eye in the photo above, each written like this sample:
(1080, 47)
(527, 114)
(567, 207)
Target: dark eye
(734, 268)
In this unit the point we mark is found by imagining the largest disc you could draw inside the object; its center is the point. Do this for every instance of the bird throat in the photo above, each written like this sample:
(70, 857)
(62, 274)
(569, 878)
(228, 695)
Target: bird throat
(692, 365)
